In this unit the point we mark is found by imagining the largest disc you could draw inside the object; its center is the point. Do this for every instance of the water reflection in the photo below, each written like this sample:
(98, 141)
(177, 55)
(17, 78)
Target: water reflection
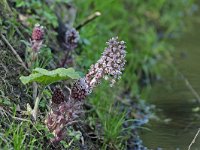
(179, 113)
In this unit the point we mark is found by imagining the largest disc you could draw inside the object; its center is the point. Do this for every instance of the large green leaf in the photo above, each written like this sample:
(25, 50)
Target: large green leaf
(46, 77)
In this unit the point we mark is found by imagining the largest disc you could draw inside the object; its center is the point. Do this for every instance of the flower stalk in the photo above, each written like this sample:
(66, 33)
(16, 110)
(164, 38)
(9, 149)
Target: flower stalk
(36, 105)
(35, 46)
(71, 40)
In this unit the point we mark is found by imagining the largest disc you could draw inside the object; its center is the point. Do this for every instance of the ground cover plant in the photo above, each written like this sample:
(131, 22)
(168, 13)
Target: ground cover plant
(45, 103)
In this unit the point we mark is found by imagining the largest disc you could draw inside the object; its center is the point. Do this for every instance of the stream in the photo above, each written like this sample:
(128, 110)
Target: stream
(178, 108)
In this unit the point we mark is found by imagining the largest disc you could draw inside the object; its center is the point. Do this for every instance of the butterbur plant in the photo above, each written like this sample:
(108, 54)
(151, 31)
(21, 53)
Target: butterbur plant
(67, 110)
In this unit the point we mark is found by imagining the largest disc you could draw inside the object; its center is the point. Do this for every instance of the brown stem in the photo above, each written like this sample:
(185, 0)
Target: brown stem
(64, 60)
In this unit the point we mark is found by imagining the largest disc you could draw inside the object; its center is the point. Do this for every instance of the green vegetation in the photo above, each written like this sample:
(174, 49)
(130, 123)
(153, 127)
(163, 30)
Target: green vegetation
(145, 26)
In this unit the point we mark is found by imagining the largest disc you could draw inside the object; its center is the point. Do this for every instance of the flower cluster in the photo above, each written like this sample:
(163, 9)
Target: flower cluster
(58, 96)
(71, 38)
(80, 89)
(109, 67)
(62, 115)
(37, 37)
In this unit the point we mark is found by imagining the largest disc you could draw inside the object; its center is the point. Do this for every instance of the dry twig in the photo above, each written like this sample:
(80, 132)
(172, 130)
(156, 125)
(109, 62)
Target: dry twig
(187, 83)
(14, 52)
(20, 119)
(88, 19)
(194, 139)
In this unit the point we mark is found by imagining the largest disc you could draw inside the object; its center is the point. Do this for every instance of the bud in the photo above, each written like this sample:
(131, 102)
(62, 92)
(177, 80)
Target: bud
(37, 38)
(80, 89)
(38, 33)
(58, 96)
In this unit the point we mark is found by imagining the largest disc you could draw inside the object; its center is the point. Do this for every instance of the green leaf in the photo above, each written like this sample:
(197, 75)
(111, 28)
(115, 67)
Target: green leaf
(20, 3)
(46, 77)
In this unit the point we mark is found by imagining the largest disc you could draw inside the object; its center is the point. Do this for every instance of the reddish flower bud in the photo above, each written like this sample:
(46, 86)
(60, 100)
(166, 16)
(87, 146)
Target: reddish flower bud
(38, 33)
(58, 96)
(80, 89)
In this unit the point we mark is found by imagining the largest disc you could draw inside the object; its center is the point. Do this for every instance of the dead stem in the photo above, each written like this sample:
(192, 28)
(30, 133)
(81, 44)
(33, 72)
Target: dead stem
(35, 87)
(88, 19)
(21, 119)
(187, 83)
(14, 52)
(194, 139)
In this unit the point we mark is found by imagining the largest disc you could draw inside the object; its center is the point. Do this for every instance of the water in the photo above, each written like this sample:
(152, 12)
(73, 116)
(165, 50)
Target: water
(179, 117)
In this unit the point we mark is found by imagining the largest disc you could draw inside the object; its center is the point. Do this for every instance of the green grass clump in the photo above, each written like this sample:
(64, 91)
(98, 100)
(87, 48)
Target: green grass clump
(109, 116)
(19, 134)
